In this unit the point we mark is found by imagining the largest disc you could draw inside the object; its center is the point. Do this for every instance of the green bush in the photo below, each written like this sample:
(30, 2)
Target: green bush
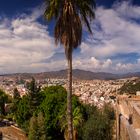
(98, 124)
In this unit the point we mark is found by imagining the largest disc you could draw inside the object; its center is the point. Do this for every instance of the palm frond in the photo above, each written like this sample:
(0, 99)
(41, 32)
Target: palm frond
(69, 15)
(52, 9)
(86, 11)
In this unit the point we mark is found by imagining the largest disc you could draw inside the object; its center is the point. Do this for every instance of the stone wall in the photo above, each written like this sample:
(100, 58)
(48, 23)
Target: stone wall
(128, 119)
(136, 118)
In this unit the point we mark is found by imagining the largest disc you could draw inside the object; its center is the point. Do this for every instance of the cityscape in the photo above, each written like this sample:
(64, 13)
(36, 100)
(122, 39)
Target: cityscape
(69, 70)
(95, 92)
(92, 92)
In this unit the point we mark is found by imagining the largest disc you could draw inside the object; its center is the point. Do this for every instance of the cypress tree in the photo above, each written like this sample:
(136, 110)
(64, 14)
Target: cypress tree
(41, 126)
(33, 134)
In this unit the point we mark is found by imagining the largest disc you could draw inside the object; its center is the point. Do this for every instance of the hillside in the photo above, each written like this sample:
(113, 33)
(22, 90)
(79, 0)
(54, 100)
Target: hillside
(77, 74)
(130, 87)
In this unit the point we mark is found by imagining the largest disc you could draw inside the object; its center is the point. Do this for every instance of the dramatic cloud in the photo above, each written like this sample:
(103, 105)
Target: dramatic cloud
(116, 31)
(24, 43)
(93, 64)
(27, 46)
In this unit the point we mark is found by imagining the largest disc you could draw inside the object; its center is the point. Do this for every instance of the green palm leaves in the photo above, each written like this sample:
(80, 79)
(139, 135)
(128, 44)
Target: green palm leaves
(77, 121)
(69, 16)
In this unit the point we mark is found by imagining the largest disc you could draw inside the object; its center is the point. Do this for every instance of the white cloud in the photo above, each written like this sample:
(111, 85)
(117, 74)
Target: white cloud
(26, 45)
(92, 64)
(127, 10)
(95, 62)
(116, 31)
(117, 34)
(24, 42)
(107, 63)
(120, 66)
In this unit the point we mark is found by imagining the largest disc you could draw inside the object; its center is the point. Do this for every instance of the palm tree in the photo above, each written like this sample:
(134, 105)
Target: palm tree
(69, 16)
(77, 121)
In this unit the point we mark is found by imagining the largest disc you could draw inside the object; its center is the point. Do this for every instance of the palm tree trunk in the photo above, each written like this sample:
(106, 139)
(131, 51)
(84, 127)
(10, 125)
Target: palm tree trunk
(69, 98)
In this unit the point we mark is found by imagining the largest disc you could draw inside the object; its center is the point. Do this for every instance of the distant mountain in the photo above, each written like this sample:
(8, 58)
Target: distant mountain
(87, 75)
(128, 75)
(77, 74)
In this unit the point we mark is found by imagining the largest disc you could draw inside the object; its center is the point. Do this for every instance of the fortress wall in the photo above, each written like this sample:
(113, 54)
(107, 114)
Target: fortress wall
(136, 117)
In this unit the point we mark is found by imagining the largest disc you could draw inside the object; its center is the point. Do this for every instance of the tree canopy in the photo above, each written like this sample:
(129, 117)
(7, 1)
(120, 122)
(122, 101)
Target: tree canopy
(49, 119)
(3, 101)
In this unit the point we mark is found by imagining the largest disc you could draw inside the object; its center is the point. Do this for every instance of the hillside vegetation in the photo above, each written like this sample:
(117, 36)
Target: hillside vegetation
(130, 87)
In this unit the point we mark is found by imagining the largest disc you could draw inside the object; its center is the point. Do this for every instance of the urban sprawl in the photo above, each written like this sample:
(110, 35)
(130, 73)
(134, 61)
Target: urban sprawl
(97, 92)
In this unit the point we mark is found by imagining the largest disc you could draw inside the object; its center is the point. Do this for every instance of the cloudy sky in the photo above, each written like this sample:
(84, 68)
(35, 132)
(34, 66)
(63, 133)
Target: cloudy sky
(27, 44)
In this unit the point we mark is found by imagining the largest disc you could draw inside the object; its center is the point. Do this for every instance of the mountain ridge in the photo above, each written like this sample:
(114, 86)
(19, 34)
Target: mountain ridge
(77, 74)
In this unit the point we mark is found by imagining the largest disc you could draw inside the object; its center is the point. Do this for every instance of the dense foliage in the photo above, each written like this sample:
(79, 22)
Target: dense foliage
(52, 106)
(3, 101)
(23, 113)
(24, 108)
(130, 87)
(37, 130)
(98, 124)
(42, 114)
